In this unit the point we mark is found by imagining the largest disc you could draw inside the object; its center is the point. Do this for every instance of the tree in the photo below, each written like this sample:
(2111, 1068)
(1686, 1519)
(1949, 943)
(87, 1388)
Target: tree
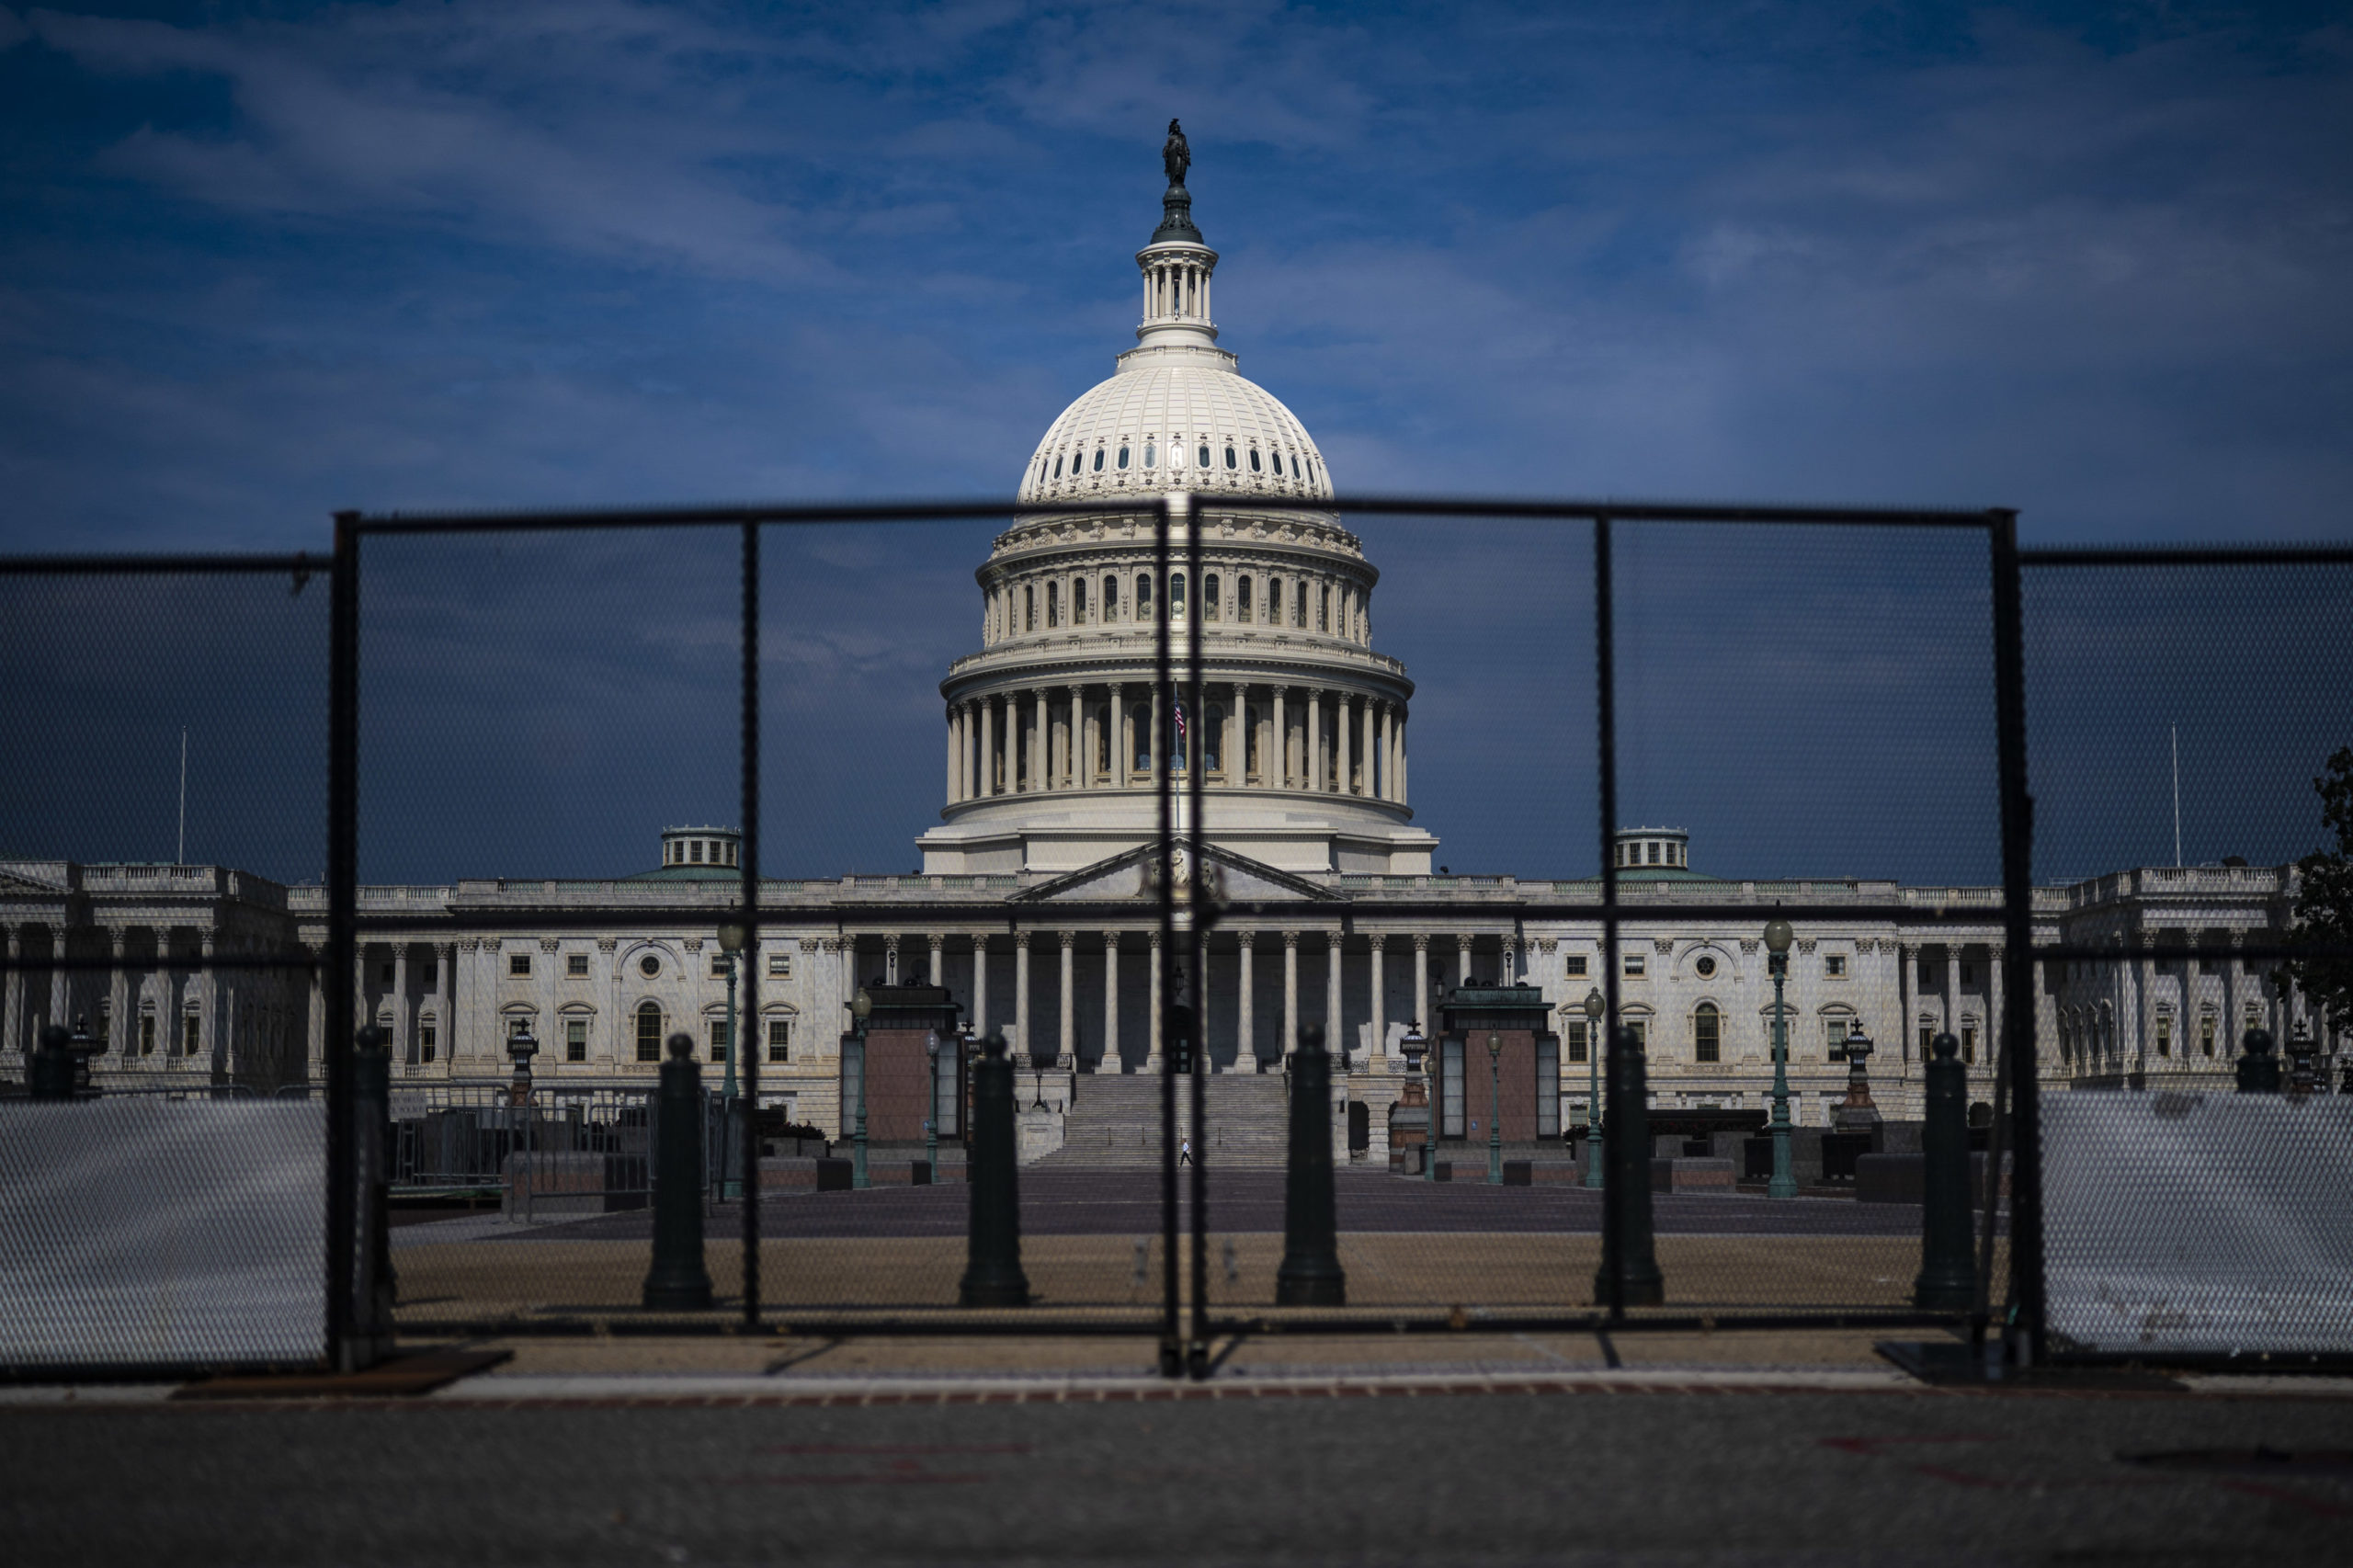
(2325, 902)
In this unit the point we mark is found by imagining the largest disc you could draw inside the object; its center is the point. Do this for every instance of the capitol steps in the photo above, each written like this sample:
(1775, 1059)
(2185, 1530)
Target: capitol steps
(1116, 1122)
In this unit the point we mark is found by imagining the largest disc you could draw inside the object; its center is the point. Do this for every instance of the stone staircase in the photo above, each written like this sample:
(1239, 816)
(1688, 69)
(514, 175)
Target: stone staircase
(1116, 1122)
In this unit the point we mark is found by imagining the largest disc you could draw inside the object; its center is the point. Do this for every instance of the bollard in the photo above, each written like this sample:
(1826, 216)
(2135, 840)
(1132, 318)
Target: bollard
(1311, 1274)
(1628, 1194)
(678, 1282)
(1947, 1282)
(2259, 1068)
(992, 1275)
(53, 1069)
(374, 1288)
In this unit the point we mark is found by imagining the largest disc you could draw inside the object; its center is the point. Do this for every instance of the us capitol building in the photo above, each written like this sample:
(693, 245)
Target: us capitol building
(1035, 907)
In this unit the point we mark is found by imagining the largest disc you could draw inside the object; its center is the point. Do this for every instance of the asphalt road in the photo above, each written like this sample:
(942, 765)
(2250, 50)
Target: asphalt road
(1118, 1202)
(1712, 1477)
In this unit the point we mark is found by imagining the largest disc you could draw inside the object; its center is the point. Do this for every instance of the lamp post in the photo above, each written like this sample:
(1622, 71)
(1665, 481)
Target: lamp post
(1415, 1045)
(522, 1047)
(931, 1120)
(1596, 1007)
(1777, 946)
(1495, 1110)
(730, 1163)
(860, 1011)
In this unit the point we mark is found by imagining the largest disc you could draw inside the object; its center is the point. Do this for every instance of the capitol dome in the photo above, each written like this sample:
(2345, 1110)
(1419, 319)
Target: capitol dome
(1058, 730)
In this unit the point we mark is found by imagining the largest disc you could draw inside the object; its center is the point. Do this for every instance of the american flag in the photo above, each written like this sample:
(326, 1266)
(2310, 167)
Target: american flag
(1180, 721)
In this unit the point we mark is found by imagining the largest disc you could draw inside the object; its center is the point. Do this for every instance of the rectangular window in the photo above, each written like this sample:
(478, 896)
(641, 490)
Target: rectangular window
(1833, 1038)
(1638, 1030)
(781, 966)
(649, 1033)
(1576, 1042)
(1144, 598)
(519, 963)
(575, 1040)
(2206, 1035)
(1835, 965)
(1323, 610)
(1111, 599)
(1274, 601)
(719, 965)
(1573, 966)
(1706, 1036)
(1209, 606)
(1299, 605)
(1633, 965)
(1053, 605)
(780, 1039)
(426, 1042)
(1548, 1088)
(1450, 1088)
(1241, 601)
(1029, 609)
(2164, 1035)
(147, 1034)
(191, 1036)
(576, 965)
(694, 852)
(384, 977)
(1968, 1043)
(1928, 1043)
(719, 1040)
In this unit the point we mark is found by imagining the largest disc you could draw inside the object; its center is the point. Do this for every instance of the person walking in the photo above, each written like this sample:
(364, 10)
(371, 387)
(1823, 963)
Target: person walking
(1184, 1151)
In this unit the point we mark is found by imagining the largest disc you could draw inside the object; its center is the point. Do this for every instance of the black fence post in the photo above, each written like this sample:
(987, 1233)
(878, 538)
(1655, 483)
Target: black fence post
(338, 985)
(1311, 1274)
(2259, 1070)
(747, 1024)
(373, 1287)
(993, 1274)
(677, 1281)
(2019, 1054)
(1630, 1279)
(1946, 1281)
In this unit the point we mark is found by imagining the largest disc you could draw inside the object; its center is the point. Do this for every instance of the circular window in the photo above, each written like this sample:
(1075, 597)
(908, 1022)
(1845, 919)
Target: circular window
(649, 966)
(1706, 966)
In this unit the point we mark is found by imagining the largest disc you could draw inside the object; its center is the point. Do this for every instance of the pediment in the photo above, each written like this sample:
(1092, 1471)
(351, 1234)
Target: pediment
(1125, 876)
(14, 885)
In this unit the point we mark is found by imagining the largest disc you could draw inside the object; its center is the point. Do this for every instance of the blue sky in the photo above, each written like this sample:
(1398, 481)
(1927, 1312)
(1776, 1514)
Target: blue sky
(257, 262)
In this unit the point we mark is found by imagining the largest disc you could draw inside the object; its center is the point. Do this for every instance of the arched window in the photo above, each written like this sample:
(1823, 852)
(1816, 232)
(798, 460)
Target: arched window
(1210, 597)
(1143, 596)
(1242, 600)
(1098, 460)
(1229, 455)
(1111, 598)
(649, 1031)
(1250, 739)
(1176, 596)
(1204, 456)
(1078, 601)
(1311, 470)
(1053, 605)
(1149, 453)
(1057, 465)
(1029, 609)
(1253, 460)
(1707, 1033)
(1274, 601)
(1299, 605)
(1213, 741)
(1294, 465)
(1323, 610)
(1123, 457)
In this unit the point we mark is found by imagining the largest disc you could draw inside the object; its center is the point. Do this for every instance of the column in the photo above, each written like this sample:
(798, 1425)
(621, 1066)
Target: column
(1333, 1041)
(2143, 968)
(968, 737)
(2227, 1049)
(938, 945)
(1907, 954)
(1158, 745)
(1245, 1050)
(1290, 995)
(988, 747)
(1951, 991)
(1994, 1032)
(1121, 751)
(1041, 745)
(1462, 960)
(980, 986)
(204, 1026)
(951, 753)
(1342, 720)
(1076, 751)
(1151, 1062)
(122, 1034)
(1371, 786)
(1067, 1041)
(446, 1020)
(1422, 982)
(1020, 993)
(12, 1005)
(1388, 751)
(1311, 754)
(315, 1029)
(1230, 744)
(1405, 773)
(1379, 1003)
(613, 1037)
(1278, 770)
(1110, 1057)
